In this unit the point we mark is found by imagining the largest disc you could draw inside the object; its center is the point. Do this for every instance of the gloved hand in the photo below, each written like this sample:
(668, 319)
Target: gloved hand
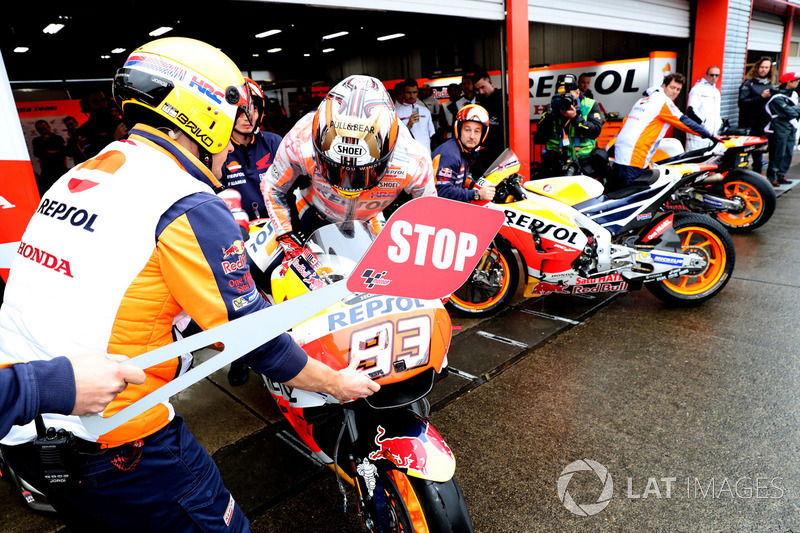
(292, 247)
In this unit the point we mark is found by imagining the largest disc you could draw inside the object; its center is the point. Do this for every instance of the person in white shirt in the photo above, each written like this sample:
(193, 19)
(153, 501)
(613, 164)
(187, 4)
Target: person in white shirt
(468, 95)
(704, 107)
(415, 114)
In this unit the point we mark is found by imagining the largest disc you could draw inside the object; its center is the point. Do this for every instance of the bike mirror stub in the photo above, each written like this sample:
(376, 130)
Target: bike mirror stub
(427, 249)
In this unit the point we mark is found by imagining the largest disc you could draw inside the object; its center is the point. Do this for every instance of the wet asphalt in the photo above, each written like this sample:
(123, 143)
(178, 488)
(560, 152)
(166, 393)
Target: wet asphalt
(689, 417)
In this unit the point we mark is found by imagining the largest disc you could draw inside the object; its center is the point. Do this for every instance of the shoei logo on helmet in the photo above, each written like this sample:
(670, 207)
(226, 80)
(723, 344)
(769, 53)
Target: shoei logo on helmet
(207, 89)
(349, 150)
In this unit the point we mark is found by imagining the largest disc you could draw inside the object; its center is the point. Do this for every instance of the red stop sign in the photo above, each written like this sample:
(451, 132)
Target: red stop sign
(427, 249)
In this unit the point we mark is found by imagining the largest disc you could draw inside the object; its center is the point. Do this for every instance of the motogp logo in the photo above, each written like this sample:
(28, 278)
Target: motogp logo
(372, 278)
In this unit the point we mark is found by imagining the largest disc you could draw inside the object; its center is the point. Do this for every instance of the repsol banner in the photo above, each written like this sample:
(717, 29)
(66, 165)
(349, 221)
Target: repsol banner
(615, 84)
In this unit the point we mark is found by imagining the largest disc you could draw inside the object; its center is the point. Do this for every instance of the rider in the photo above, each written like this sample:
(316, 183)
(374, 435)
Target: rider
(120, 247)
(646, 125)
(569, 128)
(453, 158)
(253, 153)
(358, 158)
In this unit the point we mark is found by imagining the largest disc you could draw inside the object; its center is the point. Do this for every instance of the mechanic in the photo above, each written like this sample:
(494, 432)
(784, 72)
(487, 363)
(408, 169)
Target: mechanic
(453, 158)
(568, 129)
(253, 153)
(359, 159)
(646, 125)
(119, 247)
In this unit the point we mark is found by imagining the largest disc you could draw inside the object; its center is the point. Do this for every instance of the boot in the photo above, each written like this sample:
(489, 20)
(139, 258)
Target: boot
(238, 374)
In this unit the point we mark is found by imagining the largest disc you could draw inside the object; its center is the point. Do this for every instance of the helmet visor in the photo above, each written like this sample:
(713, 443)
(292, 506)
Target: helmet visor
(240, 97)
(352, 179)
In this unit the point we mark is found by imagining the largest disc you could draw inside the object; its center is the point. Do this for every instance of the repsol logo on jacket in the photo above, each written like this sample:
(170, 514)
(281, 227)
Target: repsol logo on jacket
(80, 218)
(544, 228)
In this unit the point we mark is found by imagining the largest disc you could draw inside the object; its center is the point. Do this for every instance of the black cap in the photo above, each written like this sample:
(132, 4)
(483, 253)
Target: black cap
(567, 84)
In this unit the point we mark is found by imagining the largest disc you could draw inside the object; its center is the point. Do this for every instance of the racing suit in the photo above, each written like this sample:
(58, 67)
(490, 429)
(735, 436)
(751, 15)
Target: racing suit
(451, 167)
(118, 248)
(704, 107)
(246, 167)
(643, 129)
(409, 170)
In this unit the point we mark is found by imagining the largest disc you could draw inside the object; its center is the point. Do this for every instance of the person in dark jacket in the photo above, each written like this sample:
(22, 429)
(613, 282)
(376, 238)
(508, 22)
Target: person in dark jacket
(568, 129)
(453, 158)
(782, 129)
(753, 96)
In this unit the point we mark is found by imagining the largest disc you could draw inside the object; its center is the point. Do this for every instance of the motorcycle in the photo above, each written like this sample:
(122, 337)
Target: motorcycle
(383, 445)
(740, 199)
(573, 239)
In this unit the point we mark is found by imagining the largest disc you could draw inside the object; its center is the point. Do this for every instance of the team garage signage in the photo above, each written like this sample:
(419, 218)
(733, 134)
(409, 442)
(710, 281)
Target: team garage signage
(615, 84)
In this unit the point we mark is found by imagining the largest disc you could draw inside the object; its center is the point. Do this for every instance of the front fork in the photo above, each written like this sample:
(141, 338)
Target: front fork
(404, 441)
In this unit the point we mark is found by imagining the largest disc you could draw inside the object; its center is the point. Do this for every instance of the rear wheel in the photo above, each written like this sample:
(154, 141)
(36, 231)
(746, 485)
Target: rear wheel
(492, 284)
(706, 237)
(422, 506)
(758, 196)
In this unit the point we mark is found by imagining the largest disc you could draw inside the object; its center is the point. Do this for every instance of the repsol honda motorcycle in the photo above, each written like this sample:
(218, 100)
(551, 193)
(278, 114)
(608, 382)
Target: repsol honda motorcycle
(740, 199)
(573, 239)
(383, 445)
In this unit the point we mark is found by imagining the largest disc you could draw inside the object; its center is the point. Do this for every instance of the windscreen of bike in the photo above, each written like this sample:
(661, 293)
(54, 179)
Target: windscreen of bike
(506, 164)
(332, 252)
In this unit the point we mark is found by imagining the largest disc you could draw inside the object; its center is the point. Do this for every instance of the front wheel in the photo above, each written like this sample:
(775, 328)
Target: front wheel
(758, 196)
(423, 506)
(492, 284)
(706, 237)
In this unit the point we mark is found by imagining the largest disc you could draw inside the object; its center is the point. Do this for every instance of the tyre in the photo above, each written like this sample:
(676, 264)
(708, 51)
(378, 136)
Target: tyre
(705, 236)
(420, 505)
(758, 196)
(492, 284)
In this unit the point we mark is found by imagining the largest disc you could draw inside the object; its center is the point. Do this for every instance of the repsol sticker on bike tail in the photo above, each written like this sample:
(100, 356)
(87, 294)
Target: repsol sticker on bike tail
(427, 250)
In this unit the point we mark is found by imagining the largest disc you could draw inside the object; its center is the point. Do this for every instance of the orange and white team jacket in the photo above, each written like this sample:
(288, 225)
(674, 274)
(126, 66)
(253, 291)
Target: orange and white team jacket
(409, 169)
(117, 249)
(644, 127)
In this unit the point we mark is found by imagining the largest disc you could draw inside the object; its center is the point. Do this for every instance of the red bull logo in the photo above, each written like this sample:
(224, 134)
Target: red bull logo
(549, 288)
(237, 248)
(408, 452)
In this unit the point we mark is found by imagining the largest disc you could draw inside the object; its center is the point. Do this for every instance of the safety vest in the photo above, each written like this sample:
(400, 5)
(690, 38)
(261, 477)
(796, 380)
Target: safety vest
(584, 146)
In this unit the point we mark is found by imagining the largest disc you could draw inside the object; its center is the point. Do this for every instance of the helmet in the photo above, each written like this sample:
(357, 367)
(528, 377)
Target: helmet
(187, 83)
(257, 95)
(354, 134)
(471, 113)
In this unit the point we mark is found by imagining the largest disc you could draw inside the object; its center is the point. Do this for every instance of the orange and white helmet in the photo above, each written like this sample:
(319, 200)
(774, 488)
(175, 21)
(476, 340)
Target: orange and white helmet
(354, 133)
(471, 113)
